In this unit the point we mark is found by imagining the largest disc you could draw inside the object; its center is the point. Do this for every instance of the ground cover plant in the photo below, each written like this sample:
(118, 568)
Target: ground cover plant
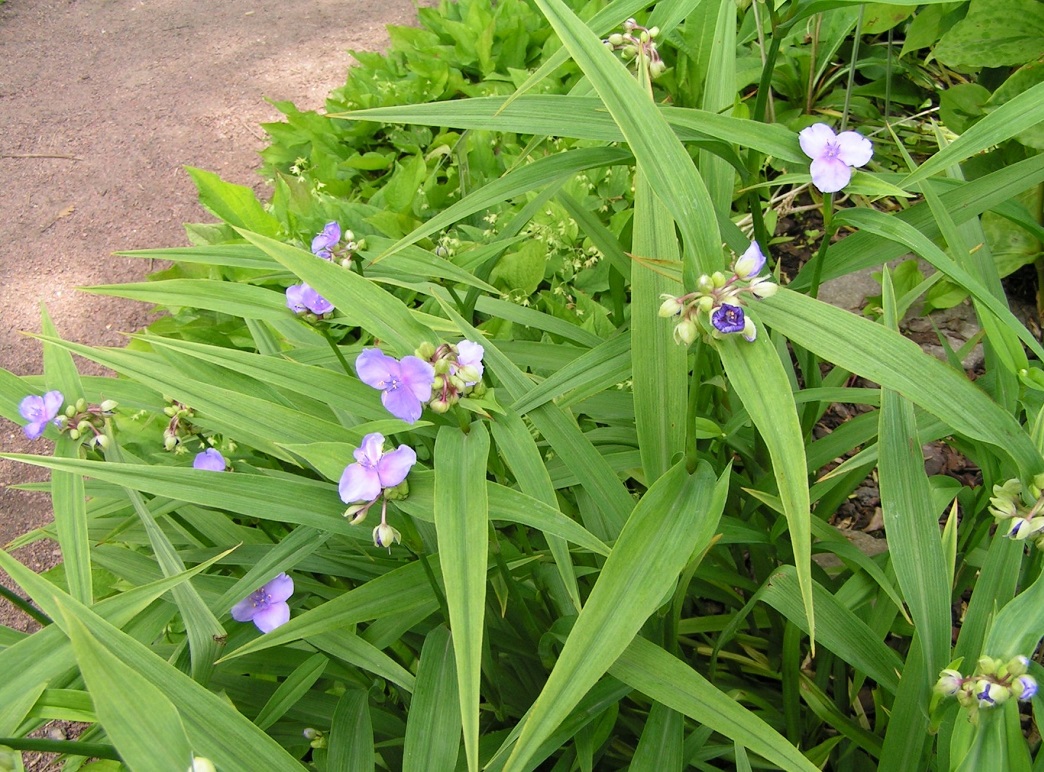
(502, 436)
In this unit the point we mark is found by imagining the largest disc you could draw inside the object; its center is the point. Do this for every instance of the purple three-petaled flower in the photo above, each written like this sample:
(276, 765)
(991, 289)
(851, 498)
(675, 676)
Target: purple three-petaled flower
(39, 410)
(833, 155)
(405, 385)
(326, 240)
(374, 470)
(728, 319)
(301, 298)
(210, 460)
(266, 606)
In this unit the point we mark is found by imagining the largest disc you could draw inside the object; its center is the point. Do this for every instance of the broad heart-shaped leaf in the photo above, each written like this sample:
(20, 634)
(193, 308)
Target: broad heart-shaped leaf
(1011, 118)
(433, 722)
(676, 517)
(462, 526)
(215, 729)
(137, 716)
(995, 33)
(756, 373)
(378, 312)
(887, 358)
(669, 681)
(669, 167)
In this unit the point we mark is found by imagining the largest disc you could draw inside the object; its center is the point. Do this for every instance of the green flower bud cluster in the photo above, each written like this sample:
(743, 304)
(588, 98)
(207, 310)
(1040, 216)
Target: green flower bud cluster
(993, 683)
(1015, 518)
(458, 372)
(179, 427)
(636, 43)
(87, 422)
(715, 309)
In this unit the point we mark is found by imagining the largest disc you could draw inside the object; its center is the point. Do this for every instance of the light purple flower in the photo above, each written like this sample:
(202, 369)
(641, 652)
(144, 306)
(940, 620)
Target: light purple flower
(210, 460)
(728, 319)
(39, 410)
(266, 606)
(327, 239)
(750, 262)
(374, 470)
(469, 359)
(406, 385)
(833, 155)
(301, 298)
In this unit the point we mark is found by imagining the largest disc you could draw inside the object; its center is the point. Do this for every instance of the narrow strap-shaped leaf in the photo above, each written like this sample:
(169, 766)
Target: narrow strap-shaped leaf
(243, 300)
(885, 357)
(462, 525)
(351, 734)
(359, 652)
(652, 550)
(757, 375)
(607, 363)
(293, 687)
(668, 680)
(662, 744)
(659, 366)
(433, 721)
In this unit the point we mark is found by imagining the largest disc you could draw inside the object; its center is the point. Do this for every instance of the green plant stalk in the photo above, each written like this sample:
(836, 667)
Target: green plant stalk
(24, 605)
(820, 258)
(337, 351)
(852, 67)
(67, 747)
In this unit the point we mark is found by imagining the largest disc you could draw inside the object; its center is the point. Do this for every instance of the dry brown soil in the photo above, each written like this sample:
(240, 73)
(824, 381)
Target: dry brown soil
(102, 102)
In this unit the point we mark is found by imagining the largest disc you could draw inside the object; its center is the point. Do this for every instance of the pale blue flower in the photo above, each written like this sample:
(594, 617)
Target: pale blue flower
(301, 298)
(326, 240)
(405, 385)
(374, 470)
(210, 460)
(38, 411)
(833, 155)
(266, 606)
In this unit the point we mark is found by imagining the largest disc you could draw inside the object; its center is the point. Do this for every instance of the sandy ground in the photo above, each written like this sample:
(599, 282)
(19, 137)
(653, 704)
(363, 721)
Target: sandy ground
(102, 102)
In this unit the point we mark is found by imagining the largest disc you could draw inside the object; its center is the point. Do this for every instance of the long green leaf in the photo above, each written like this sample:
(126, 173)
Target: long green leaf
(433, 722)
(295, 686)
(351, 734)
(244, 300)
(643, 566)
(462, 525)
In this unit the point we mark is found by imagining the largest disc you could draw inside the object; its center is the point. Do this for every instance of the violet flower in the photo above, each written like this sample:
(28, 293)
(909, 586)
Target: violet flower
(833, 155)
(301, 298)
(210, 460)
(327, 239)
(38, 411)
(728, 319)
(405, 385)
(266, 606)
(374, 470)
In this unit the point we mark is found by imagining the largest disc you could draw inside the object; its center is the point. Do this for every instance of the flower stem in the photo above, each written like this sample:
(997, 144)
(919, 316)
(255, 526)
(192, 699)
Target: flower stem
(336, 349)
(817, 266)
(24, 605)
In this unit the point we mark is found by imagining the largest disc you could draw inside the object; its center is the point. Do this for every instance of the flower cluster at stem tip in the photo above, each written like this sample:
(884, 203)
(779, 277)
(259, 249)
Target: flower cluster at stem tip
(993, 683)
(833, 155)
(636, 42)
(1014, 517)
(716, 306)
(78, 420)
(436, 375)
(332, 245)
(375, 473)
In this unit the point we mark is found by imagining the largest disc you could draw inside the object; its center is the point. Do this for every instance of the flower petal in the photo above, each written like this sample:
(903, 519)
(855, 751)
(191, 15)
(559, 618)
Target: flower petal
(35, 429)
(370, 450)
(375, 368)
(244, 610)
(815, 139)
(210, 460)
(418, 376)
(269, 617)
(31, 408)
(402, 404)
(470, 353)
(359, 484)
(854, 149)
(280, 588)
(829, 175)
(295, 298)
(52, 401)
(394, 466)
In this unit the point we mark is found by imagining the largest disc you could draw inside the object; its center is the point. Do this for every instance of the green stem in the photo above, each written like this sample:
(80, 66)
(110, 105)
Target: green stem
(337, 350)
(852, 67)
(443, 605)
(24, 605)
(817, 267)
(67, 747)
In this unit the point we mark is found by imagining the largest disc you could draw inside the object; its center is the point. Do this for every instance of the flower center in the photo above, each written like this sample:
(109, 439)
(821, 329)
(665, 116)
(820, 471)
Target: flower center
(260, 598)
(832, 150)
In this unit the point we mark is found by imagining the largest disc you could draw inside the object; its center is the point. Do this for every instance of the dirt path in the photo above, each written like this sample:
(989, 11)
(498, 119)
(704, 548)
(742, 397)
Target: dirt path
(128, 92)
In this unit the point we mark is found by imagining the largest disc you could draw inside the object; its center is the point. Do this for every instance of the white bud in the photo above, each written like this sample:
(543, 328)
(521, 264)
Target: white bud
(200, 764)
(384, 536)
(671, 306)
(685, 332)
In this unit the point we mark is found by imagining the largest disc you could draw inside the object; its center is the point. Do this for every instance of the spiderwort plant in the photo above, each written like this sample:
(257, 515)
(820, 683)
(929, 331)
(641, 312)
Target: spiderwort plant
(374, 473)
(716, 306)
(834, 155)
(300, 298)
(266, 606)
(405, 384)
(211, 460)
(992, 683)
(331, 244)
(458, 372)
(39, 411)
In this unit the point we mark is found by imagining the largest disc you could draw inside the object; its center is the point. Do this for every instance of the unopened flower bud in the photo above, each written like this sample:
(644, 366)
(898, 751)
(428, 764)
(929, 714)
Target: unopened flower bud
(704, 283)
(949, 682)
(70, 411)
(170, 442)
(654, 31)
(469, 374)
(763, 288)
(629, 25)
(671, 306)
(1017, 665)
(74, 434)
(685, 332)
(109, 405)
(705, 304)
(718, 279)
(384, 536)
(439, 405)
(61, 422)
(986, 665)
(397, 492)
(616, 39)
(357, 512)
(102, 441)
(81, 405)
(750, 332)
(310, 734)
(200, 764)
(83, 426)
(657, 68)
(170, 410)
(442, 366)
(989, 693)
(1024, 687)
(425, 351)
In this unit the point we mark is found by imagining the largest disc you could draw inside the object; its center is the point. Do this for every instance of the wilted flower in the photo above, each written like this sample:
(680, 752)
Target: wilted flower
(374, 469)
(949, 683)
(750, 262)
(405, 385)
(990, 693)
(833, 155)
(38, 411)
(327, 239)
(301, 298)
(210, 460)
(1024, 687)
(728, 319)
(266, 606)
(384, 536)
